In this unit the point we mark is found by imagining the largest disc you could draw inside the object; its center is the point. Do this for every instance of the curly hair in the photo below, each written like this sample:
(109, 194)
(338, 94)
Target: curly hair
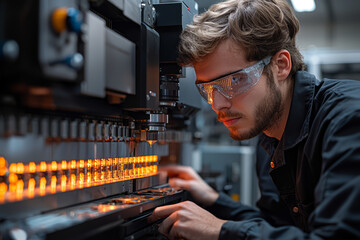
(262, 27)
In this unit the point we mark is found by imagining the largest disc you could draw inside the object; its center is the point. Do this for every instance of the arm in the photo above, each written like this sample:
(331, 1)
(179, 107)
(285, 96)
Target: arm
(221, 205)
(337, 196)
(337, 193)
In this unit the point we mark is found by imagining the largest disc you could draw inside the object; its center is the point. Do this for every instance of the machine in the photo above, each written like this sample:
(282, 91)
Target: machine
(89, 104)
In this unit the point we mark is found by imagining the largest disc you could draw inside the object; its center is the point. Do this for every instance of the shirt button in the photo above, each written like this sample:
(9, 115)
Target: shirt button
(295, 209)
(272, 164)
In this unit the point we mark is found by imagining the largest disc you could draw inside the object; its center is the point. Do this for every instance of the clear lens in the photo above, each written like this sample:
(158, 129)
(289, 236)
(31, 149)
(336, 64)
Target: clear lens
(235, 83)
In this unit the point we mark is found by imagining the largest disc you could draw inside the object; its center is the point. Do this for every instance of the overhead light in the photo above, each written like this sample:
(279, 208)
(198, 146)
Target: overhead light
(303, 5)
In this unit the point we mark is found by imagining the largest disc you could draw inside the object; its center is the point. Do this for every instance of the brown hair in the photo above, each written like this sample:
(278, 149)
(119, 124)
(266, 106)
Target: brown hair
(263, 27)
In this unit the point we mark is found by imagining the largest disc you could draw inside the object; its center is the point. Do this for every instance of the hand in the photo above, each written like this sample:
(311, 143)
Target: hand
(182, 177)
(186, 220)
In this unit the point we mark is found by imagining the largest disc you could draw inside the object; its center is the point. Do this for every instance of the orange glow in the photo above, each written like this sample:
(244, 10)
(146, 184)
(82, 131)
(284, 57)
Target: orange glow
(106, 208)
(115, 168)
(2, 166)
(103, 169)
(151, 142)
(2, 162)
(53, 166)
(81, 180)
(88, 172)
(53, 183)
(72, 164)
(63, 165)
(89, 163)
(19, 189)
(81, 163)
(3, 188)
(72, 181)
(121, 169)
(31, 187)
(42, 186)
(2, 171)
(88, 178)
(109, 167)
(97, 170)
(63, 183)
(13, 178)
(43, 166)
(32, 167)
(12, 168)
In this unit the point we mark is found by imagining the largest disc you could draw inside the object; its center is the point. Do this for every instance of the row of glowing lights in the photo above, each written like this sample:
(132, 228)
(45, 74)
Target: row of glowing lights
(21, 180)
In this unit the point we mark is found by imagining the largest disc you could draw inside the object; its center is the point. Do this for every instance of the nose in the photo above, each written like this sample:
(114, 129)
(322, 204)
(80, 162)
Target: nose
(219, 102)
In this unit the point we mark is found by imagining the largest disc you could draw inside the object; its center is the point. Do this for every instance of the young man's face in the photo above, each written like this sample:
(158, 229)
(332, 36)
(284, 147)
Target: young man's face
(248, 113)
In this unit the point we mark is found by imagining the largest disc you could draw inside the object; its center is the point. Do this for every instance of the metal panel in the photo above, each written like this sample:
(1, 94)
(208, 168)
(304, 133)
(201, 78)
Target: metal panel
(118, 3)
(132, 10)
(53, 47)
(120, 63)
(94, 82)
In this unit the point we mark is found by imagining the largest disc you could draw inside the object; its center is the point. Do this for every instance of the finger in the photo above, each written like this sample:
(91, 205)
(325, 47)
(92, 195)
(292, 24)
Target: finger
(163, 212)
(180, 183)
(172, 170)
(167, 224)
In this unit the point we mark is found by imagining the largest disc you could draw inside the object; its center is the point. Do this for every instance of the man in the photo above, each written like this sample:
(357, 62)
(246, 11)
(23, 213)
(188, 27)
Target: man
(249, 69)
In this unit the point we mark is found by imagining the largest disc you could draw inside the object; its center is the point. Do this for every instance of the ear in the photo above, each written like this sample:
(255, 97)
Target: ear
(282, 62)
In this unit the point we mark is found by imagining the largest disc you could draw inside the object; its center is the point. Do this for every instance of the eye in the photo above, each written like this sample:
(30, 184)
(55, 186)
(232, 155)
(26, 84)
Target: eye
(238, 78)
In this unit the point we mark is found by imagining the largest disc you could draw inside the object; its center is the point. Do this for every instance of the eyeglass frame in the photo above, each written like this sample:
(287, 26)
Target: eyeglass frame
(265, 61)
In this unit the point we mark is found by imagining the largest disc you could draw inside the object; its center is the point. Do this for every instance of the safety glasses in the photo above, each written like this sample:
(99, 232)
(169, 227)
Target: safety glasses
(234, 83)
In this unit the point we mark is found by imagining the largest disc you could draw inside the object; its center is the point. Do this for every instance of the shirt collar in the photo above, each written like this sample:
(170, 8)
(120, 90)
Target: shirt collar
(297, 126)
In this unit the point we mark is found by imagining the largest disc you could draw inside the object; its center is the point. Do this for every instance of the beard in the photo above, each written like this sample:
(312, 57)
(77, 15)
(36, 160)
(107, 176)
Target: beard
(267, 113)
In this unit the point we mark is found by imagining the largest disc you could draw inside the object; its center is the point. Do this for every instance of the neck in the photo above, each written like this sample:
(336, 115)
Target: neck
(276, 130)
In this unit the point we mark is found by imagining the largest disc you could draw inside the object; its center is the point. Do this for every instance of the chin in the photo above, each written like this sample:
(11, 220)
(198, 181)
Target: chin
(243, 134)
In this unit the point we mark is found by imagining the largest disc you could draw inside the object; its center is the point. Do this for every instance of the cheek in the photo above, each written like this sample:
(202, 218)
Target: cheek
(249, 102)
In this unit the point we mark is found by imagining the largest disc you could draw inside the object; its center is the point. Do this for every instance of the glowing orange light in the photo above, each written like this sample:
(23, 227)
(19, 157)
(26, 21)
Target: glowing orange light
(81, 180)
(2, 162)
(115, 169)
(126, 168)
(53, 166)
(3, 188)
(109, 168)
(53, 183)
(32, 167)
(31, 187)
(63, 165)
(13, 178)
(72, 164)
(12, 168)
(19, 189)
(2, 166)
(151, 142)
(131, 165)
(2, 171)
(43, 166)
(72, 181)
(42, 187)
(88, 178)
(121, 169)
(106, 208)
(63, 183)
(96, 170)
(103, 169)
(89, 163)
(81, 163)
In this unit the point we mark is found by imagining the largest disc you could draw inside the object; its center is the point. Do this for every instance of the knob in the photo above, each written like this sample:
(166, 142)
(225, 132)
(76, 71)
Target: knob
(75, 61)
(70, 19)
(9, 50)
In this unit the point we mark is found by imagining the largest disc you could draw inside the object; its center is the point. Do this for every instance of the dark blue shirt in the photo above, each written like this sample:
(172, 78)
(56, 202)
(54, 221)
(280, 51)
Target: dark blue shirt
(310, 179)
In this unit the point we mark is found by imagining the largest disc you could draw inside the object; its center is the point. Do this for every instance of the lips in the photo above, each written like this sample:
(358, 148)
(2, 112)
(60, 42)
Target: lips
(229, 122)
